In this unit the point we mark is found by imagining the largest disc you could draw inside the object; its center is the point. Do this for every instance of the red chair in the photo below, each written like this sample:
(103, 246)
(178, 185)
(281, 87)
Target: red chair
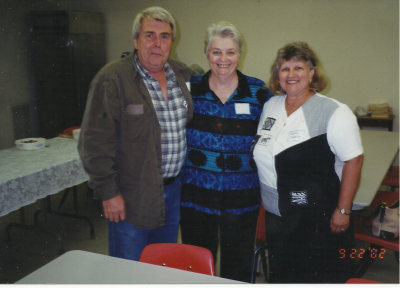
(361, 280)
(261, 247)
(392, 178)
(180, 256)
(363, 231)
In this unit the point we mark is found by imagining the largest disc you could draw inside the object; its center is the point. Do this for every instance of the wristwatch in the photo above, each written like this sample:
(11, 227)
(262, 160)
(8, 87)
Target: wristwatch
(343, 211)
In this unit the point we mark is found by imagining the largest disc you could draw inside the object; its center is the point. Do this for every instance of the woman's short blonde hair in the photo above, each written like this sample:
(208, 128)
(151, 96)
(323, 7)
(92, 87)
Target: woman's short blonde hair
(222, 29)
(154, 12)
(300, 51)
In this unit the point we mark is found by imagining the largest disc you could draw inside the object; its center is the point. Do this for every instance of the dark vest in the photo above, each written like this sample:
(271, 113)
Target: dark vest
(306, 178)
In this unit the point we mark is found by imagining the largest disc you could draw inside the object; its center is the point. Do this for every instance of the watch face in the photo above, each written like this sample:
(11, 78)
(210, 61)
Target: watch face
(343, 211)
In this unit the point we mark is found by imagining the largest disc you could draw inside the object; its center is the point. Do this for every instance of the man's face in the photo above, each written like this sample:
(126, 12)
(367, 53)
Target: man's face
(153, 44)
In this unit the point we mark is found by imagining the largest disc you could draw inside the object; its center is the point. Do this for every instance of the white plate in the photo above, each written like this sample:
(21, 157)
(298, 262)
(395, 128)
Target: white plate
(30, 143)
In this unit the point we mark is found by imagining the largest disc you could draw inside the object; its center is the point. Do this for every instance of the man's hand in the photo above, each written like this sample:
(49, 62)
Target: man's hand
(114, 209)
(339, 222)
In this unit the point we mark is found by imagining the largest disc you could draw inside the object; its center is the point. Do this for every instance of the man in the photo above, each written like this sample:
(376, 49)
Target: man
(133, 143)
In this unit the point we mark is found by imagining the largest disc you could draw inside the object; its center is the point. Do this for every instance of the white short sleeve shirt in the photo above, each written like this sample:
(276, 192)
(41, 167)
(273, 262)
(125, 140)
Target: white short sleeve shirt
(278, 132)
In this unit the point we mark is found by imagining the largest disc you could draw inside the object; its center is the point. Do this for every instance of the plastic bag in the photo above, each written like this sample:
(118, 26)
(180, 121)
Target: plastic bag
(386, 224)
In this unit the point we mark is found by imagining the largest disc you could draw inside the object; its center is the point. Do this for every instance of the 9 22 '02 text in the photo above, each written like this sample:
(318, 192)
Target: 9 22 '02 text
(359, 253)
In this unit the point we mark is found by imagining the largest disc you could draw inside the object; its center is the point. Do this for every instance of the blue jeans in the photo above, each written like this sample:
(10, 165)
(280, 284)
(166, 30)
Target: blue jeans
(127, 241)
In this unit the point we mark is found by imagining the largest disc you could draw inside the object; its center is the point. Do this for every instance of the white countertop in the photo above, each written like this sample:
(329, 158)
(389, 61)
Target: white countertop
(380, 149)
(81, 267)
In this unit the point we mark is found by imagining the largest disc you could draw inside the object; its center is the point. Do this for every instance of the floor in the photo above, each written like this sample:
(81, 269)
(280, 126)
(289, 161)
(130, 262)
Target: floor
(31, 248)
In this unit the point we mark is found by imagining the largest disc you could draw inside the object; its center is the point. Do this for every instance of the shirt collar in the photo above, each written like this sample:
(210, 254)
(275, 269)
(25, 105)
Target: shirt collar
(243, 89)
(146, 74)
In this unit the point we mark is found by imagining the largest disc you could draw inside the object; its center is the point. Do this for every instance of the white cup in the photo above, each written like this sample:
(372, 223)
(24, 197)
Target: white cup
(75, 133)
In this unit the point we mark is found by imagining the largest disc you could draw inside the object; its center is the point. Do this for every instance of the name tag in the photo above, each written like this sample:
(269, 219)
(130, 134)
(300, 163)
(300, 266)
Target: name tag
(295, 136)
(242, 108)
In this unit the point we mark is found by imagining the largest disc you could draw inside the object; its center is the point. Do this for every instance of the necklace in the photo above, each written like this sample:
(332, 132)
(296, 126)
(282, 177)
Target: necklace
(223, 89)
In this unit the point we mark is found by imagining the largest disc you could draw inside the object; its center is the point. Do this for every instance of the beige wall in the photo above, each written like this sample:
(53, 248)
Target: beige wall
(14, 78)
(357, 40)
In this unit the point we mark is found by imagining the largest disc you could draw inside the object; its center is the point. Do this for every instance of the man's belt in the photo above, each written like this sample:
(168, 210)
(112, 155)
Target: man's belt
(167, 181)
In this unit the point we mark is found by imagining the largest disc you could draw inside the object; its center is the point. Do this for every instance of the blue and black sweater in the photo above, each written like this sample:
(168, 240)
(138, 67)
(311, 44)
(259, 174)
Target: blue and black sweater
(219, 174)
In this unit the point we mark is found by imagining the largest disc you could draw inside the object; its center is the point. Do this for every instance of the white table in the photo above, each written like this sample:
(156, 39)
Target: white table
(26, 176)
(81, 267)
(380, 149)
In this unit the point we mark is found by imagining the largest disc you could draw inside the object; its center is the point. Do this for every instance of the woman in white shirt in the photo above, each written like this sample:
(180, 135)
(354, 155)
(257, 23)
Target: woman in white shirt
(309, 156)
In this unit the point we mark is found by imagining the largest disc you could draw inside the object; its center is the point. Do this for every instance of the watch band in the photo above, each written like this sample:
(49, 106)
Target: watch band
(343, 211)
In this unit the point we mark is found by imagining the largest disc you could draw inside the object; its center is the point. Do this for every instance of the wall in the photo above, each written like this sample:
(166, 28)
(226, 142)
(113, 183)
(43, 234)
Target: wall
(356, 40)
(14, 68)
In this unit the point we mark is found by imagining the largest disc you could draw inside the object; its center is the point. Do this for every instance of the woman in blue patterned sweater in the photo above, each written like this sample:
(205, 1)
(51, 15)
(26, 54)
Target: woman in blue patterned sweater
(220, 193)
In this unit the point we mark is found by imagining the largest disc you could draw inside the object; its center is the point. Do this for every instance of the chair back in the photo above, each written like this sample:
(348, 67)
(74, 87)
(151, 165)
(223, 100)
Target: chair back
(389, 197)
(180, 256)
(361, 280)
(260, 232)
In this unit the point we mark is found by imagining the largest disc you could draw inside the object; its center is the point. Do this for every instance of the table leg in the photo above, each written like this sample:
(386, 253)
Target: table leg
(47, 210)
(22, 224)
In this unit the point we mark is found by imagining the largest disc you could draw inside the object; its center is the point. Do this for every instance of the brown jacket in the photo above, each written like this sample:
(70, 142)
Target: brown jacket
(120, 147)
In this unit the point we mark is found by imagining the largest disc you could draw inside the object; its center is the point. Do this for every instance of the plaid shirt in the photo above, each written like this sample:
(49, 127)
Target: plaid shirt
(172, 118)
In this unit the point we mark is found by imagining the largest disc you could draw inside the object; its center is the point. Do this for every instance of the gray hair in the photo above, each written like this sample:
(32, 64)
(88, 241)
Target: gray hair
(154, 12)
(222, 29)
